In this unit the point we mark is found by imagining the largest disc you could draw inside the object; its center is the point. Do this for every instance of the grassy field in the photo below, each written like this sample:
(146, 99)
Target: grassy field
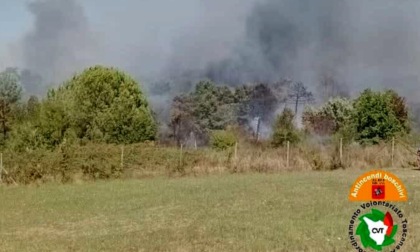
(302, 211)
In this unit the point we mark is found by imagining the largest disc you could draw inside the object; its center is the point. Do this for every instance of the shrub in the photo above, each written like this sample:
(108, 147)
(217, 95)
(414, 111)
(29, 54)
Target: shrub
(222, 139)
(284, 129)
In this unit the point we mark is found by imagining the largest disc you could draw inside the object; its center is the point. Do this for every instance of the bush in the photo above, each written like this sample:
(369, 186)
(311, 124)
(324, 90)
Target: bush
(284, 129)
(222, 139)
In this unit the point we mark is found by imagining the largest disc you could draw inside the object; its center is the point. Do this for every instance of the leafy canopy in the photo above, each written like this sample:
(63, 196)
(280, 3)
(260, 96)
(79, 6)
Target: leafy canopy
(380, 116)
(100, 104)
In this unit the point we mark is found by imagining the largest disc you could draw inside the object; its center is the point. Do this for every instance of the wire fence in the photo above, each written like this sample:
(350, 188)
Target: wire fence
(106, 161)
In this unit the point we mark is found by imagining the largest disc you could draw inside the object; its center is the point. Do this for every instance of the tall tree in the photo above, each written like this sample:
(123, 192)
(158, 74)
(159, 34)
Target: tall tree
(263, 102)
(299, 94)
(182, 122)
(10, 94)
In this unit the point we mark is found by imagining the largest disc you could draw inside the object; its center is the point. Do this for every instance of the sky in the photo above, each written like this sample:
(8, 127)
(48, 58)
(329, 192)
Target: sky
(129, 33)
(14, 19)
(360, 43)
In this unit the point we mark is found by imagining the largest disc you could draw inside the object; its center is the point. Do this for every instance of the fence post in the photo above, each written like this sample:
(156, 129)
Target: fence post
(288, 154)
(180, 157)
(1, 168)
(393, 152)
(122, 157)
(341, 149)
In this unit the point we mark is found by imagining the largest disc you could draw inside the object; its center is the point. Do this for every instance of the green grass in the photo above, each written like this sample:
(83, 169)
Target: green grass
(305, 211)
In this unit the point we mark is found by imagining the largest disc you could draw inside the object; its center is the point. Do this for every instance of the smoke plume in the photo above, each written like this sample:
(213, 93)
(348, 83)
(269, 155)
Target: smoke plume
(355, 43)
(60, 42)
(359, 43)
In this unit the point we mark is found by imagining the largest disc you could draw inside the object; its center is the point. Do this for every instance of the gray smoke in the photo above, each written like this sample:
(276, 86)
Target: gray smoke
(356, 42)
(360, 43)
(60, 42)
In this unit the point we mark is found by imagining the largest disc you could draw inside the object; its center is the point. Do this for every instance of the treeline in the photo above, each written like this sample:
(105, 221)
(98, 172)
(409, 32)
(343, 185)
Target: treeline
(99, 124)
(106, 105)
(370, 118)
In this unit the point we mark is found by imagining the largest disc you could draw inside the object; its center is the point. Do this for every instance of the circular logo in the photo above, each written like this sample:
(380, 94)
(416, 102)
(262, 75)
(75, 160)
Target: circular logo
(378, 226)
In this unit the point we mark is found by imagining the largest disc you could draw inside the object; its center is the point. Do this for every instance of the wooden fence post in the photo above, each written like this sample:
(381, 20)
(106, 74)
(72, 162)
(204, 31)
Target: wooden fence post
(1, 168)
(288, 153)
(122, 157)
(393, 152)
(236, 151)
(180, 157)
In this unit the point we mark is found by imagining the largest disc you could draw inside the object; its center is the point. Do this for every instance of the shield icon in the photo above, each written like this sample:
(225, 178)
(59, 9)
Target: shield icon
(378, 191)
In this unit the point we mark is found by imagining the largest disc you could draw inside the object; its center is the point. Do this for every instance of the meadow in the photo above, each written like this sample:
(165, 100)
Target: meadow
(284, 211)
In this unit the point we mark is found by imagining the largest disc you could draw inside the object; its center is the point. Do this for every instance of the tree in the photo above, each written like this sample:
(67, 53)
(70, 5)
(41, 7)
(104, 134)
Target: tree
(399, 106)
(182, 121)
(258, 103)
(329, 118)
(263, 102)
(379, 116)
(110, 103)
(100, 104)
(208, 107)
(214, 107)
(284, 129)
(32, 105)
(10, 94)
(317, 122)
(299, 94)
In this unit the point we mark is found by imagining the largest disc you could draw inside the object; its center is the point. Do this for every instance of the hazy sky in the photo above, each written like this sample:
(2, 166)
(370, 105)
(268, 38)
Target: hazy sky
(373, 43)
(138, 35)
(14, 19)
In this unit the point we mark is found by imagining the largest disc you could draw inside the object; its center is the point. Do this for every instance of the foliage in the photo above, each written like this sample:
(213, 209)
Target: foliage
(332, 117)
(399, 107)
(284, 129)
(214, 107)
(100, 104)
(299, 94)
(379, 116)
(208, 107)
(10, 94)
(222, 139)
(182, 121)
(262, 102)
